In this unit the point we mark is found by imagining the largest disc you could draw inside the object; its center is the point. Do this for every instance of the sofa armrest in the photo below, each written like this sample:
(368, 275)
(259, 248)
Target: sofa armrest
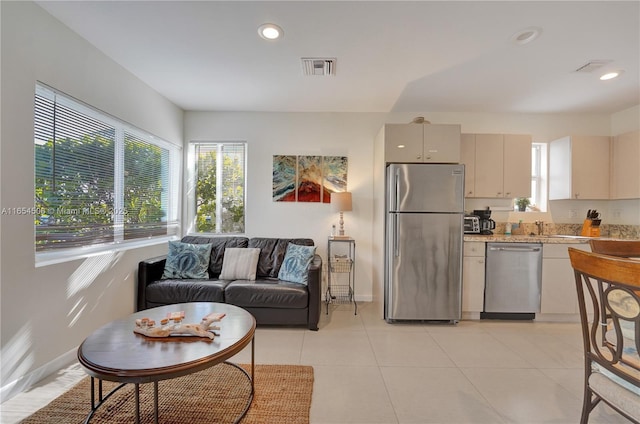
(314, 285)
(149, 270)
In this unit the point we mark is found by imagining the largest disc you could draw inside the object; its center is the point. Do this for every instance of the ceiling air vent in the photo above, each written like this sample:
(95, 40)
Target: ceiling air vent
(318, 66)
(592, 65)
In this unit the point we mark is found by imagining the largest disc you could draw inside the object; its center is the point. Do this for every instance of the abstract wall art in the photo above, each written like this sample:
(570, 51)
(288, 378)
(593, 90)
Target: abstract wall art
(308, 178)
(334, 172)
(284, 178)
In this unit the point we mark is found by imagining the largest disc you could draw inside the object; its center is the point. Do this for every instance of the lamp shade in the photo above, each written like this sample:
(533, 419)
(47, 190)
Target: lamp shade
(341, 202)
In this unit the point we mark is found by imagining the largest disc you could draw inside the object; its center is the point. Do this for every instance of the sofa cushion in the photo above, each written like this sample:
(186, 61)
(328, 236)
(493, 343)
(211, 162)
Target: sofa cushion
(218, 244)
(182, 291)
(186, 260)
(295, 266)
(239, 263)
(272, 252)
(267, 293)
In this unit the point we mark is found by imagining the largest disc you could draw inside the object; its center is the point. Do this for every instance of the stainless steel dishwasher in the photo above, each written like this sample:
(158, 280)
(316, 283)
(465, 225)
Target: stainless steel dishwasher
(513, 278)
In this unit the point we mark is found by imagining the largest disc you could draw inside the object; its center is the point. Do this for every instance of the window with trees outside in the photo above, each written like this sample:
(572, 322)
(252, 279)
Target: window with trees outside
(98, 180)
(220, 187)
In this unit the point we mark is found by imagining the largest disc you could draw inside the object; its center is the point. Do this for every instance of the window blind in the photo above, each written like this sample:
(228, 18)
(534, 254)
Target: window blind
(97, 179)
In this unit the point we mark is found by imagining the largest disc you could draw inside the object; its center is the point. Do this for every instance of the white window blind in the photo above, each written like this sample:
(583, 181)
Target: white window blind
(98, 180)
(220, 187)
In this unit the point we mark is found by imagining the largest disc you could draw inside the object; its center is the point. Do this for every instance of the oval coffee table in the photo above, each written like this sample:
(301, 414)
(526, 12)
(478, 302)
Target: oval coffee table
(115, 353)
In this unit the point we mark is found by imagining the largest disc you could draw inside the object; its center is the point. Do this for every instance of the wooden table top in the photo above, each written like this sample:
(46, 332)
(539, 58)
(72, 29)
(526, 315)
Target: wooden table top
(115, 353)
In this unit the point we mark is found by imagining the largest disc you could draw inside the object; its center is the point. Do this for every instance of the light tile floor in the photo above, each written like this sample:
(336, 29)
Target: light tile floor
(368, 371)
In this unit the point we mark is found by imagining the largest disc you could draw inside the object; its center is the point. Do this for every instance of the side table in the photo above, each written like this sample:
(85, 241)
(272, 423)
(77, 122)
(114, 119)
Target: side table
(341, 253)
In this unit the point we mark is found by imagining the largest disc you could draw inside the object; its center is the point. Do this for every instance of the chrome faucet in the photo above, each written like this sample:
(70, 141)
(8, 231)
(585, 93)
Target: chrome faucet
(540, 225)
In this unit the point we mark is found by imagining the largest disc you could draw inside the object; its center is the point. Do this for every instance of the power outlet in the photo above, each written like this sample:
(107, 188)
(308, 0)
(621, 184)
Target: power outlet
(573, 213)
(617, 213)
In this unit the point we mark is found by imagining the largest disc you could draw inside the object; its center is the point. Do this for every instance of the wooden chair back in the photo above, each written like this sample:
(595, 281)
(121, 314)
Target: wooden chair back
(609, 299)
(622, 248)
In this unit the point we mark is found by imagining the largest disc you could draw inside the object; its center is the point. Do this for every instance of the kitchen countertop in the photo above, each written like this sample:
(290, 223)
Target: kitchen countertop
(547, 239)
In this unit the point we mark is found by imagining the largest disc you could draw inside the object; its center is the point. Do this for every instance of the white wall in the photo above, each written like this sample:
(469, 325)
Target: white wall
(350, 134)
(625, 121)
(46, 312)
(325, 134)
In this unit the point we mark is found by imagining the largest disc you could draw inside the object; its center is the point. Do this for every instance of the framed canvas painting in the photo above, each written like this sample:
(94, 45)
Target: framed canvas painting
(284, 178)
(334, 171)
(309, 178)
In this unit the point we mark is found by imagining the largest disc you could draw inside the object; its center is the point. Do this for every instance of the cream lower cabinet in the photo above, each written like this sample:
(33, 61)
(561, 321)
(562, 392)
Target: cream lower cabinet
(473, 262)
(559, 295)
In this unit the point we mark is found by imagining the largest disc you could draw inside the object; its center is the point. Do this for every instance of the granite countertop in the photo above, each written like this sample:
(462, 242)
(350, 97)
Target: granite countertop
(547, 239)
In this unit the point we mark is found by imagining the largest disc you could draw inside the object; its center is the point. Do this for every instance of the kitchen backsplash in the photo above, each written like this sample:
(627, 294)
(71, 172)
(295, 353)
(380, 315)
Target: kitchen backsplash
(606, 230)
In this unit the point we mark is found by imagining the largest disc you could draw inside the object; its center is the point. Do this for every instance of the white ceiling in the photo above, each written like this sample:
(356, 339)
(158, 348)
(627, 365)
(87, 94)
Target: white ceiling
(431, 56)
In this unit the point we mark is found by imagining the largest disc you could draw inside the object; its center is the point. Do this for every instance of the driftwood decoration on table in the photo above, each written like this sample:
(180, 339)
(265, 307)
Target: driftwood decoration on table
(172, 326)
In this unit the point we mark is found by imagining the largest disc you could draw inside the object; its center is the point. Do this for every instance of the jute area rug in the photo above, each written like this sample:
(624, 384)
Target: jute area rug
(215, 395)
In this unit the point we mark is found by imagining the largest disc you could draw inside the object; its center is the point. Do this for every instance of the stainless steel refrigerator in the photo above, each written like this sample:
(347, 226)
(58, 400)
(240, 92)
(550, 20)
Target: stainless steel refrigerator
(423, 242)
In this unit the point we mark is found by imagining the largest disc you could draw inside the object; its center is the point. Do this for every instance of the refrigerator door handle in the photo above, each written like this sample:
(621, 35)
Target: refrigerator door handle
(396, 248)
(396, 200)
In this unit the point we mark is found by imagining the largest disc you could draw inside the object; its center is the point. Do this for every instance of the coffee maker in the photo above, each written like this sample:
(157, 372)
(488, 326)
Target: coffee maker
(486, 223)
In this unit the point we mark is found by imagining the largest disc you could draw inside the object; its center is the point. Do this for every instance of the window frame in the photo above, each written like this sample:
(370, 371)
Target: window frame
(539, 176)
(119, 243)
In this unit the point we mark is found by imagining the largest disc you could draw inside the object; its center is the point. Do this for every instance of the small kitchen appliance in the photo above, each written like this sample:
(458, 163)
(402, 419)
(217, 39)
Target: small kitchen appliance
(472, 224)
(486, 223)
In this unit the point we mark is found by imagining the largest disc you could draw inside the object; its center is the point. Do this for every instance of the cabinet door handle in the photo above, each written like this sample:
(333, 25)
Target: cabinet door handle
(507, 194)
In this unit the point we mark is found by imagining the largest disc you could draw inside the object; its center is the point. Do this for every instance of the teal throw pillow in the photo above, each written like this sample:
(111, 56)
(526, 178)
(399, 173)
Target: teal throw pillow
(186, 260)
(295, 266)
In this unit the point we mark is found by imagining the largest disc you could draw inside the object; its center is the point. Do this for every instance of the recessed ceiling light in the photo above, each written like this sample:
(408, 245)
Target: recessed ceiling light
(611, 75)
(270, 31)
(526, 35)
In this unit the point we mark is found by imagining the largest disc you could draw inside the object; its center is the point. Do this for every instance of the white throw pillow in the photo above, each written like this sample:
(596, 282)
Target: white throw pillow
(240, 263)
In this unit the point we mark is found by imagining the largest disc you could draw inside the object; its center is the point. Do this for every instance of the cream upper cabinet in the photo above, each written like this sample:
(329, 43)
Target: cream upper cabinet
(579, 167)
(517, 165)
(441, 143)
(501, 165)
(489, 172)
(468, 158)
(625, 166)
(417, 143)
(403, 142)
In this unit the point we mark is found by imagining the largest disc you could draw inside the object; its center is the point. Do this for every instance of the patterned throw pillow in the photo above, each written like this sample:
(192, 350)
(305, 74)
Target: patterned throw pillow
(187, 260)
(240, 263)
(295, 267)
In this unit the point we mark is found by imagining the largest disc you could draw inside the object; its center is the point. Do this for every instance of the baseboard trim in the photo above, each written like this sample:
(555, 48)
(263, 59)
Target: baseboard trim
(508, 315)
(32, 378)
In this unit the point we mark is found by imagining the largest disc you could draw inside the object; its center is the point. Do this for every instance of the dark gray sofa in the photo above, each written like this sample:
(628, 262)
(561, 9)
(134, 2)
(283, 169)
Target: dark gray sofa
(270, 300)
